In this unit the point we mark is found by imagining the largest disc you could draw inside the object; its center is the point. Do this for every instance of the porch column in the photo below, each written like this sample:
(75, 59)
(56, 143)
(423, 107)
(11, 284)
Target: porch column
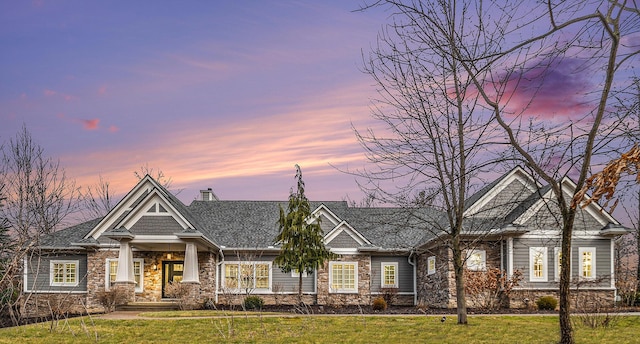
(191, 270)
(125, 280)
(125, 263)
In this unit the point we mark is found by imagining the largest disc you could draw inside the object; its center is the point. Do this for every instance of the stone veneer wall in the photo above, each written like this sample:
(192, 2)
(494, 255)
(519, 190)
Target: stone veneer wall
(439, 290)
(584, 299)
(96, 270)
(362, 297)
(433, 290)
(152, 278)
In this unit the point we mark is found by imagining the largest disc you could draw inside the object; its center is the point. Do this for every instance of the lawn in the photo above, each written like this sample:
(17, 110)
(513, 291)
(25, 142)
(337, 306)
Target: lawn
(319, 329)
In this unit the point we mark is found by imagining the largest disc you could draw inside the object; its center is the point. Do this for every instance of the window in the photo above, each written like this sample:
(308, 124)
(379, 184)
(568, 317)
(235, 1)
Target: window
(538, 258)
(231, 276)
(112, 272)
(247, 275)
(63, 273)
(296, 274)
(389, 275)
(476, 260)
(557, 253)
(343, 277)
(587, 262)
(431, 265)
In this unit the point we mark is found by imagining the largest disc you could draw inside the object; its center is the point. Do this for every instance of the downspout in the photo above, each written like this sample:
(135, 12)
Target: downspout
(218, 272)
(415, 282)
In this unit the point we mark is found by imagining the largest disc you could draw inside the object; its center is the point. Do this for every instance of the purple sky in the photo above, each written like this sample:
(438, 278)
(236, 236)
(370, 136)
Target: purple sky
(228, 95)
(222, 94)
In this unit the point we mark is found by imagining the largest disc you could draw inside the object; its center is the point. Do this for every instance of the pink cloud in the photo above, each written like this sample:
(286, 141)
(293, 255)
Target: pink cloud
(90, 124)
(550, 89)
(113, 129)
(102, 90)
(49, 93)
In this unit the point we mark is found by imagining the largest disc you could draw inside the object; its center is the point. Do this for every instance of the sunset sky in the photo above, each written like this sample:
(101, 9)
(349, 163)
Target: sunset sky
(222, 94)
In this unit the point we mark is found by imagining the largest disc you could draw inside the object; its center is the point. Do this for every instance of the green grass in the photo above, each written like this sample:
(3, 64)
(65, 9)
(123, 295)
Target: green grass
(203, 313)
(320, 329)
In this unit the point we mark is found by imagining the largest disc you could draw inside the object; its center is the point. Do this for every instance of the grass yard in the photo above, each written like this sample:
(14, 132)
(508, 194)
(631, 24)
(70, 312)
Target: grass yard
(320, 329)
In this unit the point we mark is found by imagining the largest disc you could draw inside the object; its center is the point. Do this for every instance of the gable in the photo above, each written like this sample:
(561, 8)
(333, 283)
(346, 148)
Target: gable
(345, 236)
(545, 212)
(154, 209)
(500, 199)
(146, 199)
(156, 225)
(343, 240)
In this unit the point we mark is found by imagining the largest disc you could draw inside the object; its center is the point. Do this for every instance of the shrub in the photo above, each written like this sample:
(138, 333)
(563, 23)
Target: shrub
(379, 304)
(110, 299)
(253, 302)
(547, 303)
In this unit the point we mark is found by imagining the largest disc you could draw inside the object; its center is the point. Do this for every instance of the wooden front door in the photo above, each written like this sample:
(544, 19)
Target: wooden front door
(171, 272)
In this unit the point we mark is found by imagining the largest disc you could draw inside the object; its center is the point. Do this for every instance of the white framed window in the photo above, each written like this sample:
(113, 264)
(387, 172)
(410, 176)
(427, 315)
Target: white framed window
(296, 274)
(538, 262)
(247, 275)
(431, 265)
(112, 272)
(389, 275)
(343, 277)
(587, 262)
(476, 260)
(557, 263)
(63, 273)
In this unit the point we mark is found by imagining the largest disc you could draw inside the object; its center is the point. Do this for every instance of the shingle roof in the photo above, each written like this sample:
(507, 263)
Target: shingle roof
(64, 237)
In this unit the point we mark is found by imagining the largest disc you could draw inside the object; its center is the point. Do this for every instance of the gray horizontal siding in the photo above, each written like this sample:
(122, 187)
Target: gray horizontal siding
(343, 240)
(521, 258)
(405, 272)
(38, 273)
(279, 280)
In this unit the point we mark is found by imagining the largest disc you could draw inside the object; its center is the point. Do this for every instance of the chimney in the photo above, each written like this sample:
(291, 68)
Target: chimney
(208, 195)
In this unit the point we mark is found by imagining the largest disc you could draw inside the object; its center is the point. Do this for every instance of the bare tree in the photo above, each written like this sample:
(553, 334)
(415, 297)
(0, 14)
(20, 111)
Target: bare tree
(158, 175)
(39, 194)
(38, 198)
(521, 58)
(433, 146)
(97, 200)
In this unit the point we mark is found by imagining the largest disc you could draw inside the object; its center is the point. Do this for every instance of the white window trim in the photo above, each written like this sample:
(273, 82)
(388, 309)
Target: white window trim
(545, 264)
(64, 283)
(395, 275)
(355, 278)
(581, 250)
(483, 263)
(556, 262)
(431, 271)
(252, 263)
(138, 288)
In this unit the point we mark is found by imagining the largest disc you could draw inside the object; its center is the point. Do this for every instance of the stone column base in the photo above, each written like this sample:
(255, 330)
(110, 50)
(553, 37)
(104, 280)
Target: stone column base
(128, 289)
(191, 299)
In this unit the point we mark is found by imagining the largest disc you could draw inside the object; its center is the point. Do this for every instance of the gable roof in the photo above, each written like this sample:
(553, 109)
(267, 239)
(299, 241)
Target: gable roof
(254, 224)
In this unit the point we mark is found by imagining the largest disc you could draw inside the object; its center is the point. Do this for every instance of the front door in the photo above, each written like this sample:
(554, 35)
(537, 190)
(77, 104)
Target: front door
(171, 272)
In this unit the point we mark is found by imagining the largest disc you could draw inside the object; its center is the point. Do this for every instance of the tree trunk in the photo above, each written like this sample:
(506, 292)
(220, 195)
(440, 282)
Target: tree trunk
(566, 330)
(300, 287)
(458, 268)
(638, 247)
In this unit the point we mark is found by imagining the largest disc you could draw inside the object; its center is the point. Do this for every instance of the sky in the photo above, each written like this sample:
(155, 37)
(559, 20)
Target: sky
(222, 94)
(228, 95)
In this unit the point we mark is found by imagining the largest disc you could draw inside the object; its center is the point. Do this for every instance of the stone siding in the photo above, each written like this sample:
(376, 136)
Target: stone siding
(584, 299)
(361, 297)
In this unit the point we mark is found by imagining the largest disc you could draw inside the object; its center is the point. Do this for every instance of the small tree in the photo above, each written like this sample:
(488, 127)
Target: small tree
(300, 236)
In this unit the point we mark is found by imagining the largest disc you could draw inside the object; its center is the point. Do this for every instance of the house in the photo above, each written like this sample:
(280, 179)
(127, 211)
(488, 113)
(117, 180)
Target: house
(221, 251)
